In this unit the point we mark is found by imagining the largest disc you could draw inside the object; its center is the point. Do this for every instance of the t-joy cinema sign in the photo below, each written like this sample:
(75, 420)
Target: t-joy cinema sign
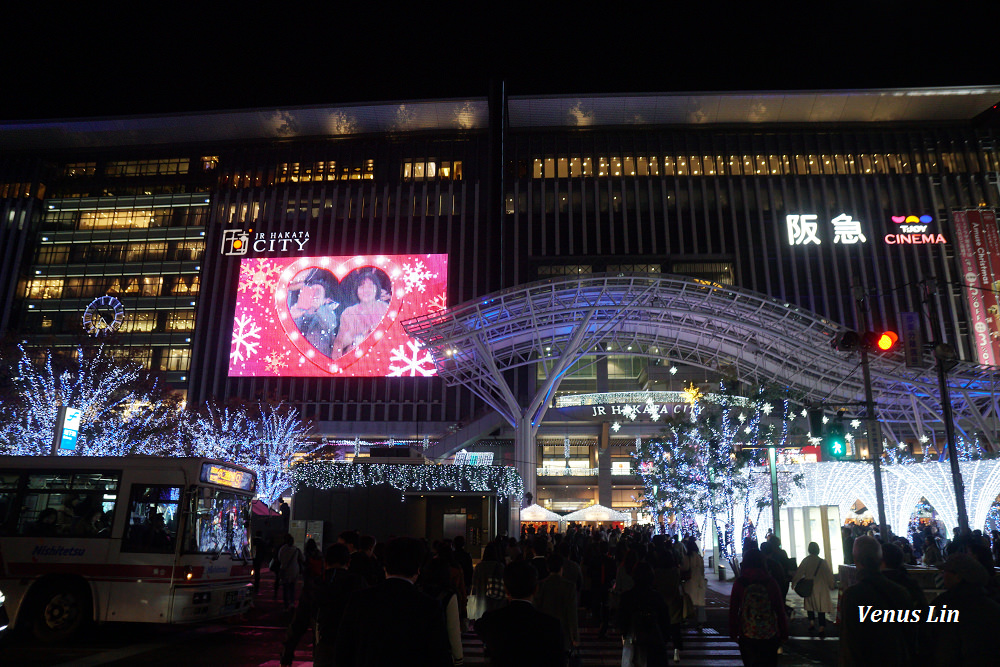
(240, 241)
(804, 229)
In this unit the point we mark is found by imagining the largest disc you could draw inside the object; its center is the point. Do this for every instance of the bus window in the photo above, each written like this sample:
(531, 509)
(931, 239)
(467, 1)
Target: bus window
(8, 498)
(152, 519)
(219, 522)
(68, 504)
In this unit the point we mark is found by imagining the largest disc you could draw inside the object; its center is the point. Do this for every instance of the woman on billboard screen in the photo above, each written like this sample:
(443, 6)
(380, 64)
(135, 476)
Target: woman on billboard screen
(369, 288)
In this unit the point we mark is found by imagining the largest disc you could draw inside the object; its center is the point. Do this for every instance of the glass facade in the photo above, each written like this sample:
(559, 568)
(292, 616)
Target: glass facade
(705, 201)
(146, 252)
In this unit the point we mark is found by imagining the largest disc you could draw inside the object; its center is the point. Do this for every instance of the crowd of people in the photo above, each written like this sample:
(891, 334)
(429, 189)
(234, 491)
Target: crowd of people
(526, 598)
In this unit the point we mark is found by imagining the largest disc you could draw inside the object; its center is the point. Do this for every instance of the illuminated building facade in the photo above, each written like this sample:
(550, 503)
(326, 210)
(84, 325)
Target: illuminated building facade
(805, 198)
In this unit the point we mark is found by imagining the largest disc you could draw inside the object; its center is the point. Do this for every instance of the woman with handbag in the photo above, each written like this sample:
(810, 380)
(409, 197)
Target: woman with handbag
(695, 586)
(813, 581)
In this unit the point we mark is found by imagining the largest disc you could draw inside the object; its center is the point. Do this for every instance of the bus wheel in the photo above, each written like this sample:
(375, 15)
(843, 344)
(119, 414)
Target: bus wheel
(60, 612)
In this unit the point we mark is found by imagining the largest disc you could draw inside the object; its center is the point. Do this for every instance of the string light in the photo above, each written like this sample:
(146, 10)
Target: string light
(118, 416)
(503, 480)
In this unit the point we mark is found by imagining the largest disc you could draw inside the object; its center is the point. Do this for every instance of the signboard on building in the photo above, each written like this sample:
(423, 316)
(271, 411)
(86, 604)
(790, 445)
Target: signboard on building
(978, 244)
(67, 429)
(464, 458)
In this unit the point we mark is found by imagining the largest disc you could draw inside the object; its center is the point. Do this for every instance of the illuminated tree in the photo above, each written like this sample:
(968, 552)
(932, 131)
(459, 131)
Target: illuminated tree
(264, 442)
(278, 435)
(124, 410)
(709, 463)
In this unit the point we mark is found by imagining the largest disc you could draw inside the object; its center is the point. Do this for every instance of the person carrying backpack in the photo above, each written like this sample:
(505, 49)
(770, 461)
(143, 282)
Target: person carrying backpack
(644, 621)
(757, 619)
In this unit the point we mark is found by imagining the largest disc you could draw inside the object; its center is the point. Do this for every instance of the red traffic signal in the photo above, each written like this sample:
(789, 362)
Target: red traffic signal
(850, 341)
(886, 340)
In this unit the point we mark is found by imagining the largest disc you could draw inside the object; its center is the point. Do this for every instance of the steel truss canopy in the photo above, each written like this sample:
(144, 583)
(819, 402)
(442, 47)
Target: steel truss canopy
(685, 321)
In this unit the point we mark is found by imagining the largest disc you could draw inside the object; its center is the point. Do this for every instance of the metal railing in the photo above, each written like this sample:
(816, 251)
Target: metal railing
(563, 472)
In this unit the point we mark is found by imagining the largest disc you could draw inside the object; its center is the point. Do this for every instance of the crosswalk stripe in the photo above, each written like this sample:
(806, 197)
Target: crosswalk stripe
(700, 649)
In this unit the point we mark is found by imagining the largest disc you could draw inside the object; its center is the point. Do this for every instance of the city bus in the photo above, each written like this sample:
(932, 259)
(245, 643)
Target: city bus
(126, 539)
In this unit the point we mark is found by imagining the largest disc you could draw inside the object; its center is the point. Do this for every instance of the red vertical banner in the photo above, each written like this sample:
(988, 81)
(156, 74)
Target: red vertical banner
(990, 292)
(977, 276)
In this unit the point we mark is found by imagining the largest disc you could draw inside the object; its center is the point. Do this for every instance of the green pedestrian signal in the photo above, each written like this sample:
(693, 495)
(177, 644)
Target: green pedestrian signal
(835, 442)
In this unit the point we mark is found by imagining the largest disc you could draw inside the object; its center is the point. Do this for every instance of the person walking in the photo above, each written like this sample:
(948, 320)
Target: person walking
(261, 553)
(487, 578)
(314, 562)
(393, 623)
(667, 582)
(286, 513)
(290, 562)
(322, 606)
(976, 616)
(519, 635)
(435, 580)
(757, 619)
(695, 586)
(863, 642)
(556, 596)
(817, 603)
(644, 621)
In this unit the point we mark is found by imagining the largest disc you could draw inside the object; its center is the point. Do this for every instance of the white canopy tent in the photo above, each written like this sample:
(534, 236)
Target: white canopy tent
(538, 513)
(598, 513)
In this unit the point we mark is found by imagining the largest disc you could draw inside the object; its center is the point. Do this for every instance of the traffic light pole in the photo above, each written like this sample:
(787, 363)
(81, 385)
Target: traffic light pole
(949, 431)
(874, 443)
(944, 359)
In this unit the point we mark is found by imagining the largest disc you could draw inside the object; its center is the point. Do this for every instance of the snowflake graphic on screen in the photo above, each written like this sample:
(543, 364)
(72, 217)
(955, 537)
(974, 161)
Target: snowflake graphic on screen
(245, 329)
(257, 276)
(412, 362)
(438, 303)
(416, 275)
(276, 360)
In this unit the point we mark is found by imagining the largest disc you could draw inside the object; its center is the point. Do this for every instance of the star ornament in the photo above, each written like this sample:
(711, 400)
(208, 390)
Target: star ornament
(693, 394)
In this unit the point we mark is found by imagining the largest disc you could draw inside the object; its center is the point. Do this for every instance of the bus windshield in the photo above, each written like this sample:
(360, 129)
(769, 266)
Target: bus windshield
(218, 524)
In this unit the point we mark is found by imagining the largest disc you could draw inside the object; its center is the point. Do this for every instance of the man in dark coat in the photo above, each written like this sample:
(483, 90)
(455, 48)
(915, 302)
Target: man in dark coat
(556, 596)
(394, 623)
(862, 640)
(519, 635)
(464, 560)
(966, 640)
(322, 605)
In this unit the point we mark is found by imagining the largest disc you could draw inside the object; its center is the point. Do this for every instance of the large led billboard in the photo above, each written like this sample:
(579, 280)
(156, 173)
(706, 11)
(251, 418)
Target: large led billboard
(334, 316)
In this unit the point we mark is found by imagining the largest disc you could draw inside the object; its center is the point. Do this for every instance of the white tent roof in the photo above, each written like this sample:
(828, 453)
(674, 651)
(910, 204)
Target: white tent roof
(597, 513)
(538, 513)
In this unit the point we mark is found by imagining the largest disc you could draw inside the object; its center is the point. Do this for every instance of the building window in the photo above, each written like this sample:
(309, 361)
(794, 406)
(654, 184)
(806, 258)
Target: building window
(77, 169)
(140, 322)
(430, 170)
(175, 359)
(180, 320)
(209, 162)
(45, 288)
(169, 166)
(715, 272)
(565, 270)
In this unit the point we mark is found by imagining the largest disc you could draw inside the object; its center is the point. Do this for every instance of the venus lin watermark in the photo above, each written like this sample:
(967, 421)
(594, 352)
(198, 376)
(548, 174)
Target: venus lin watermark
(934, 615)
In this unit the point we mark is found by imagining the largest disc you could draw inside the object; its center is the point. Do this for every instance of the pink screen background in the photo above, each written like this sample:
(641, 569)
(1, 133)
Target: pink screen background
(267, 343)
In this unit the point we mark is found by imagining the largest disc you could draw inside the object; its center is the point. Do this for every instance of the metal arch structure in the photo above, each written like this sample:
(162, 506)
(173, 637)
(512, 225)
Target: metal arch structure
(744, 334)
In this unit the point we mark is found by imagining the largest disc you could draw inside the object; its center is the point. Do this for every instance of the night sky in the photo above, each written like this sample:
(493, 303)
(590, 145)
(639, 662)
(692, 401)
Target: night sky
(76, 63)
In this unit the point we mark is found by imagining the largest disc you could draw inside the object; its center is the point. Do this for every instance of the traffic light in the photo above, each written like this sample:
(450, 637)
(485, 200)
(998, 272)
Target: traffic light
(873, 341)
(882, 341)
(834, 441)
